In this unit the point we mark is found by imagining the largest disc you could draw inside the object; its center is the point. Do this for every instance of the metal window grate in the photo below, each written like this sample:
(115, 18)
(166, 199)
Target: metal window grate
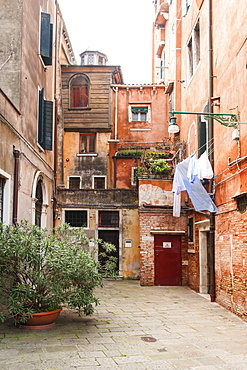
(99, 183)
(76, 218)
(108, 219)
(242, 203)
(74, 182)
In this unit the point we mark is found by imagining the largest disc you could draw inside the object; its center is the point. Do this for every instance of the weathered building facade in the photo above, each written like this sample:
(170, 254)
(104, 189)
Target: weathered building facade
(106, 130)
(202, 57)
(33, 43)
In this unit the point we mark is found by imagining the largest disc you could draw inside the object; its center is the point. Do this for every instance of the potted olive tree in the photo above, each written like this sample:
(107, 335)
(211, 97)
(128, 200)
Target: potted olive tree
(41, 271)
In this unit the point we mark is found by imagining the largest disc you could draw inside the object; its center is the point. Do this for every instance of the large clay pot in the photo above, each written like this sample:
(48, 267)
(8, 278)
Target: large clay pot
(42, 320)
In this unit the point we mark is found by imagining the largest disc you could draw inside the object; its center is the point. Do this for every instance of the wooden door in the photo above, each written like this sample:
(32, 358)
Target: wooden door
(167, 258)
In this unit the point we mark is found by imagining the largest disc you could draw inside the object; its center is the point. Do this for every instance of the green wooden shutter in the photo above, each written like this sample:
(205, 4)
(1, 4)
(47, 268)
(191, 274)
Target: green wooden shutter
(139, 109)
(45, 122)
(48, 125)
(46, 33)
(41, 118)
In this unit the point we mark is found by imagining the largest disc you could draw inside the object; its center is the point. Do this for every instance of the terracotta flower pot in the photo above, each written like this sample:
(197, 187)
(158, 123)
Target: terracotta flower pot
(42, 320)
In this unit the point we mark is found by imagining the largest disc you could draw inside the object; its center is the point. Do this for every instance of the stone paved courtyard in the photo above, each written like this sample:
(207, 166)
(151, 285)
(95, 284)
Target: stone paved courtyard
(134, 327)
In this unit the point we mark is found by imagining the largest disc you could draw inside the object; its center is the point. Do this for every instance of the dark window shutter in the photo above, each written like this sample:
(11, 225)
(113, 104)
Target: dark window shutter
(41, 118)
(46, 39)
(202, 136)
(48, 125)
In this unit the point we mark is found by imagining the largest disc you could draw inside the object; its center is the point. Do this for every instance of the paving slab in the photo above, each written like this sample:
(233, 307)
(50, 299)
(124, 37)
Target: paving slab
(133, 328)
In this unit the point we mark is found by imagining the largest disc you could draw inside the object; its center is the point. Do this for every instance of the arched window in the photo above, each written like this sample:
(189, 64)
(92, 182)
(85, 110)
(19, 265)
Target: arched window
(79, 92)
(39, 203)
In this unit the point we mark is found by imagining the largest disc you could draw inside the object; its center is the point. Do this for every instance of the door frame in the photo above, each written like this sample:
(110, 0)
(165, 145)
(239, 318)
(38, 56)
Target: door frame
(169, 233)
(119, 229)
(204, 228)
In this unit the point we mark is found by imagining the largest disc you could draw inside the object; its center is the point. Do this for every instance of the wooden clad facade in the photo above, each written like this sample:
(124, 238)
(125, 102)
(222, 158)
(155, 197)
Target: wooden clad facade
(98, 112)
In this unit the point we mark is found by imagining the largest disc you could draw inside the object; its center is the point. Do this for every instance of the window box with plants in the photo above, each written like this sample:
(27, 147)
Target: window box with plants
(40, 272)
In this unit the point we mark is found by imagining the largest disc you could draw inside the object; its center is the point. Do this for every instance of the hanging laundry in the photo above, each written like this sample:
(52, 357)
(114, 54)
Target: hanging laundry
(197, 193)
(204, 168)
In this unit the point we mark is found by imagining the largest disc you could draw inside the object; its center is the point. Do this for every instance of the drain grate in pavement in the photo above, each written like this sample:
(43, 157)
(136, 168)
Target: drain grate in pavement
(148, 339)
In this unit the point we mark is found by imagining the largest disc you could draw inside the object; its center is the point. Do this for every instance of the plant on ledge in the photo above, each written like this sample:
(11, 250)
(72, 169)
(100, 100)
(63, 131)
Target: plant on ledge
(40, 271)
(159, 166)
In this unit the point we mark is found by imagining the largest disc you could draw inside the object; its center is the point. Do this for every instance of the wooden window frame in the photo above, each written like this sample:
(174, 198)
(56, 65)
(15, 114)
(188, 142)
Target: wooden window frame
(103, 216)
(139, 106)
(193, 50)
(79, 88)
(87, 149)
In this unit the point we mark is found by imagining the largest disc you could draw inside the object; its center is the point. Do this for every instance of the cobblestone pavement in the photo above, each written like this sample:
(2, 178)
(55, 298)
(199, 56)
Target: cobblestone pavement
(133, 328)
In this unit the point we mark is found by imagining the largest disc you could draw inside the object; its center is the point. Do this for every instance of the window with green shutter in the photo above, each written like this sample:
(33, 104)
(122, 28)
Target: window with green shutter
(46, 34)
(139, 113)
(45, 122)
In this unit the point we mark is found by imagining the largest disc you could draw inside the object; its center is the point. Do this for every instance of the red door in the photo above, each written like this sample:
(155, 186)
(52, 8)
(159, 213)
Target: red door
(167, 258)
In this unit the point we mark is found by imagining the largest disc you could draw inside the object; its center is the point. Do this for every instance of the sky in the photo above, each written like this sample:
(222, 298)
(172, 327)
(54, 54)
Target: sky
(120, 29)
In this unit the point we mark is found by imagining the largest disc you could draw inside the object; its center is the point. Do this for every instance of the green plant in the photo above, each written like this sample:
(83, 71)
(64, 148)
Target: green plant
(40, 271)
(158, 166)
(131, 152)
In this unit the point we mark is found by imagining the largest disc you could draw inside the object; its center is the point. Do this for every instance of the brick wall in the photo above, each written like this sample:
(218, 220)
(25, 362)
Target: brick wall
(231, 258)
(160, 220)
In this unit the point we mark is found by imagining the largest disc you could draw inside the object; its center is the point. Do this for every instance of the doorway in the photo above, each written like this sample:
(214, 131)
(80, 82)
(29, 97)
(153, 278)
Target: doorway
(167, 260)
(112, 237)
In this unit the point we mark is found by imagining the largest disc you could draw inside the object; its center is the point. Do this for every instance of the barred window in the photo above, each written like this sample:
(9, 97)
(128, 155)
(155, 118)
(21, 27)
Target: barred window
(74, 183)
(242, 203)
(76, 218)
(99, 183)
(108, 219)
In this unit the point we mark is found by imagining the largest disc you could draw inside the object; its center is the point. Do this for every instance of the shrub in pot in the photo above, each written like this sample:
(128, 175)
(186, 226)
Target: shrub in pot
(41, 271)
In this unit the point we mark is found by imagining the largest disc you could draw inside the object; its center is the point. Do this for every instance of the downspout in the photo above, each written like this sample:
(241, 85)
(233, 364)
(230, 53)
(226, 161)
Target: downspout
(116, 114)
(16, 183)
(115, 171)
(55, 123)
(211, 247)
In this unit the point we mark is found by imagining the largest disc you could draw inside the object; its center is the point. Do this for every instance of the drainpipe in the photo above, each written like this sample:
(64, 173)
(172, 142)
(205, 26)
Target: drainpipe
(115, 171)
(211, 247)
(116, 109)
(16, 182)
(54, 204)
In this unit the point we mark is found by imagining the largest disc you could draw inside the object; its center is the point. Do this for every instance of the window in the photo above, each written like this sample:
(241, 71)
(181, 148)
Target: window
(139, 113)
(76, 218)
(101, 60)
(203, 133)
(99, 182)
(191, 229)
(46, 35)
(38, 203)
(108, 219)
(134, 171)
(87, 143)
(90, 58)
(193, 49)
(74, 183)
(45, 122)
(162, 68)
(242, 203)
(79, 92)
